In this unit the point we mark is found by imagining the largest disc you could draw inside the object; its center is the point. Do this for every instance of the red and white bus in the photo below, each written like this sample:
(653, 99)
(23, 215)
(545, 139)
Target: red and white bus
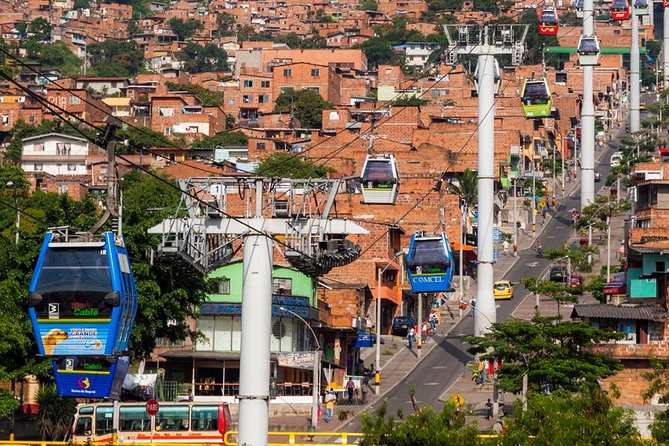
(183, 422)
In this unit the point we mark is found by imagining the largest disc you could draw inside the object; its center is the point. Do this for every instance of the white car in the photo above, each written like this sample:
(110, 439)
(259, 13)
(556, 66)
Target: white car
(616, 158)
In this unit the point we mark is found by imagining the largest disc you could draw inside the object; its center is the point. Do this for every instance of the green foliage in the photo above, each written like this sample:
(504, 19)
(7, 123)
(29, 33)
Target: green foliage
(139, 139)
(140, 8)
(288, 165)
(82, 4)
(558, 291)
(227, 24)
(58, 55)
(486, 6)
(41, 29)
(208, 97)
(55, 415)
(223, 139)
(653, 46)
(369, 5)
(563, 419)
(550, 353)
(9, 404)
(305, 105)
(425, 427)
(168, 290)
(536, 42)
(441, 6)
(185, 29)
(466, 188)
(596, 288)
(658, 385)
(409, 101)
(204, 59)
(115, 58)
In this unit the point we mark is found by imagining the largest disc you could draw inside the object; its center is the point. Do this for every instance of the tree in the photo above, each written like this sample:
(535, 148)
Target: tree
(227, 24)
(204, 59)
(222, 139)
(409, 101)
(56, 414)
(424, 427)
(466, 187)
(306, 105)
(289, 165)
(658, 385)
(558, 291)
(58, 55)
(565, 419)
(369, 5)
(185, 29)
(41, 29)
(550, 353)
(115, 58)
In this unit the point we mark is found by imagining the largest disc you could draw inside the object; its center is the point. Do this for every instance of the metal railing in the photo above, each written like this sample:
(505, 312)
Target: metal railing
(303, 438)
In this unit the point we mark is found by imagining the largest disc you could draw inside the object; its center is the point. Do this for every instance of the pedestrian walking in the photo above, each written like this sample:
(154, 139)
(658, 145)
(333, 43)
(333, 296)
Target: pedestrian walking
(505, 247)
(515, 249)
(350, 388)
(480, 372)
(434, 320)
(485, 371)
(554, 203)
(410, 336)
(425, 329)
(544, 213)
(488, 410)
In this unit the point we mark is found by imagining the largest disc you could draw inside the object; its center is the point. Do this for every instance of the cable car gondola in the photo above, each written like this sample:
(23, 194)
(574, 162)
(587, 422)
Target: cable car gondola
(641, 7)
(430, 263)
(620, 10)
(548, 22)
(83, 299)
(665, 3)
(90, 376)
(579, 9)
(588, 51)
(380, 181)
(536, 99)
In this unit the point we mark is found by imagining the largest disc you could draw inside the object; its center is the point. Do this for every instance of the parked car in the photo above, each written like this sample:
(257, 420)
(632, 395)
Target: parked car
(503, 289)
(598, 177)
(576, 280)
(401, 325)
(558, 274)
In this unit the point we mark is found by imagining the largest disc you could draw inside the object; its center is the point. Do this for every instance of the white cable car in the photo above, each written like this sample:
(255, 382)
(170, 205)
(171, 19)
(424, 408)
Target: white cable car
(641, 7)
(496, 73)
(579, 9)
(380, 181)
(588, 51)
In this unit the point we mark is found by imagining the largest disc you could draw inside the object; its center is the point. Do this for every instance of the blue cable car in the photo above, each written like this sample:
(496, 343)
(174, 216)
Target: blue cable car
(83, 299)
(430, 263)
(90, 376)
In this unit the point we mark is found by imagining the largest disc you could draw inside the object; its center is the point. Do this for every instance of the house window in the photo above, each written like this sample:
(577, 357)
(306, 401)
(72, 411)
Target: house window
(282, 286)
(165, 111)
(314, 89)
(62, 188)
(220, 286)
(315, 72)
(287, 72)
(231, 102)
(168, 130)
(264, 84)
(659, 267)
(39, 147)
(5, 119)
(260, 146)
(247, 99)
(38, 167)
(63, 148)
(75, 100)
(263, 99)
(248, 84)
(71, 167)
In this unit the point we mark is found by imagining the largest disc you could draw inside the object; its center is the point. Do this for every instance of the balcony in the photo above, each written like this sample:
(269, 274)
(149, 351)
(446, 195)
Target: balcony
(392, 293)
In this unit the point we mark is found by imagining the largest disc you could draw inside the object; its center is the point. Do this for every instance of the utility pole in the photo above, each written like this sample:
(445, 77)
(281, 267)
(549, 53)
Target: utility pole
(461, 262)
(485, 43)
(635, 78)
(378, 327)
(665, 49)
(254, 370)
(588, 118)
(562, 154)
(419, 325)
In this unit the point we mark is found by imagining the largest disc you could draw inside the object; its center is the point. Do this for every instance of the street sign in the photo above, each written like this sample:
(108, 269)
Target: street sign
(152, 407)
(458, 399)
(297, 360)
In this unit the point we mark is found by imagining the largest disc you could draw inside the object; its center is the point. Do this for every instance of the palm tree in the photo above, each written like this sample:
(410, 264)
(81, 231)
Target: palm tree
(466, 187)
(56, 414)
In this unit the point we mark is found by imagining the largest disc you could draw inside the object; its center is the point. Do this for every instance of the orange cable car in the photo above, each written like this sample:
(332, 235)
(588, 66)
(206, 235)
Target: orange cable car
(548, 22)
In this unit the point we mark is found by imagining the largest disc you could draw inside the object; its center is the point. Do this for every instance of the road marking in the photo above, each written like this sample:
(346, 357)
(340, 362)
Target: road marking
(440, 367)
(431, 384)
(533, 264)
(550, 236)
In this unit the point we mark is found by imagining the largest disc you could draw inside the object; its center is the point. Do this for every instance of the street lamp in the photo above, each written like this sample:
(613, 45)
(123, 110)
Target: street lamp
(10, 184)
(317, 369)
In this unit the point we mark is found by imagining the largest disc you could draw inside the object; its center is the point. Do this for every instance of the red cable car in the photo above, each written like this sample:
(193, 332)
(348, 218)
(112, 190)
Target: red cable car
(665, 3)
(620, 10)
(548, 21)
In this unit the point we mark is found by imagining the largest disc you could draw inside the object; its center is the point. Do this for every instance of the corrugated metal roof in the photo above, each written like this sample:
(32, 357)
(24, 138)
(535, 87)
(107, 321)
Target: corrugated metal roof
(603, 311)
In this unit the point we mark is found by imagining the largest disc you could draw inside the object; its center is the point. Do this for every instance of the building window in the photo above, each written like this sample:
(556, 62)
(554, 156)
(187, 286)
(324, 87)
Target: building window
(315, 72)
(264, 84)
(282, 286)
(220, 285)
(31, 119)
(38, 167)
(75, 100)
(314, 89)
(39, 147)
(247, 99)
(287, 72)
(63, 148)
(260, 146)
(71, 167)
(263, 99)
(62, 188)
(248, 84)
(168, 130)
(165, 111)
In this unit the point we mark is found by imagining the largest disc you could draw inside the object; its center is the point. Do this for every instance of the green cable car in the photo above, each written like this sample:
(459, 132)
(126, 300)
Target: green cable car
(536, 99)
